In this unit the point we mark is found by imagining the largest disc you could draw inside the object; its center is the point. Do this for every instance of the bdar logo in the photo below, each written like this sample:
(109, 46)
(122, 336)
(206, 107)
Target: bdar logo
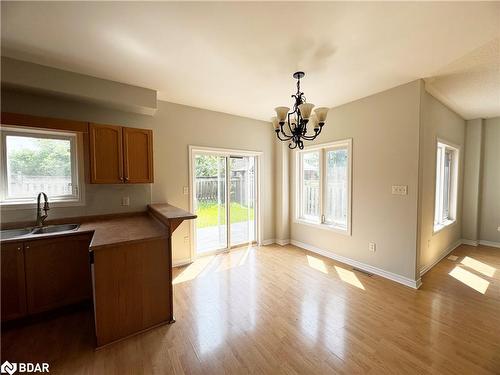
(8, 368)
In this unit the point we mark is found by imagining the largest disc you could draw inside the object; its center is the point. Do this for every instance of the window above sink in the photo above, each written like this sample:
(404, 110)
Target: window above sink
(34, 160)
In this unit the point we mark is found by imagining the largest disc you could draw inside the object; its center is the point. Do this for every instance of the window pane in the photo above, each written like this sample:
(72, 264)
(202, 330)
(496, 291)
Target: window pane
(446, 184)
(310, 185)
(336, 188)
(439, 186)
(38, 164)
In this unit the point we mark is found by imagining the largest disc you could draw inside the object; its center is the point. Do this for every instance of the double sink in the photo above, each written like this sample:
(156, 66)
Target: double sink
(27, 232)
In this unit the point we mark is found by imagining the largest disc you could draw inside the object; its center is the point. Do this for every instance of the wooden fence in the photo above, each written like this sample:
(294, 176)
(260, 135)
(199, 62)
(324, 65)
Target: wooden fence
(336, 205)
(25, 186)
(212, 189)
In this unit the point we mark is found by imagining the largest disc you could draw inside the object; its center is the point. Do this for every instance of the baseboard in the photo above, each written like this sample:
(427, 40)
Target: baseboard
(275, 241)
(283, 242)
(415, 284)
(489, 243)
(181, 262)
(470, 242)
(448, 250)
(269, 241)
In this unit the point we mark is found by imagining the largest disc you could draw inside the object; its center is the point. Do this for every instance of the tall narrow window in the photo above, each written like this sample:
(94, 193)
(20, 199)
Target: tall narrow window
(446, 185)
(34, 161)
(324, 179)
(310, 209)
(336, 193)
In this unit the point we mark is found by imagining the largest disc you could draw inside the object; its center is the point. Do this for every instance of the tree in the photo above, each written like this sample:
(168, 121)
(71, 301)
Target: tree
(206, 165)
(49, 158)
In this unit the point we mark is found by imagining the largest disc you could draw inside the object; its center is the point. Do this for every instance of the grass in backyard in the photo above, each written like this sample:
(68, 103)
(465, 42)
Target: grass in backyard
(208, 214)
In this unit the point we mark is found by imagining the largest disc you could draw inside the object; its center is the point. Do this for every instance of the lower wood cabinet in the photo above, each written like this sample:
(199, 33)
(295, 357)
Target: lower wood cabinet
(132, 288)
(13, 281)
(44, 274)
(57, 272)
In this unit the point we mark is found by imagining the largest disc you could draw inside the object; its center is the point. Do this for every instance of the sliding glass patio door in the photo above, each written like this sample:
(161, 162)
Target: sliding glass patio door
(225, 201)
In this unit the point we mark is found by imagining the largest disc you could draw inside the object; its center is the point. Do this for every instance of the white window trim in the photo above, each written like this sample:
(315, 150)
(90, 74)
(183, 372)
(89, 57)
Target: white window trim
(438, 227)
(77, 159)
(297, 219)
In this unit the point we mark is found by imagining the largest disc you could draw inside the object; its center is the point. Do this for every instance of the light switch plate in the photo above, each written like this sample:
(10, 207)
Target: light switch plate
(185, 190)
(372, 247)
(400, 189)
(125, 201)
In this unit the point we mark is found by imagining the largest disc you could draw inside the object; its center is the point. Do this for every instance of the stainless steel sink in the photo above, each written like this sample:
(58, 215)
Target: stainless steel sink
(55, 228)
(13, 233)
(27, 232)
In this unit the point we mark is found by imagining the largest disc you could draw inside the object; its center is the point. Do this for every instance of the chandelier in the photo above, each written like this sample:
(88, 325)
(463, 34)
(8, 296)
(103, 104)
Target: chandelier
(293, 126)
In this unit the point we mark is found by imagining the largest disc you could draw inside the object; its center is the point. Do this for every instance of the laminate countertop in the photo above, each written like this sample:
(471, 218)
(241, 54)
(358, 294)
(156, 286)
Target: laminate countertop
(108, 231)
(113, 231)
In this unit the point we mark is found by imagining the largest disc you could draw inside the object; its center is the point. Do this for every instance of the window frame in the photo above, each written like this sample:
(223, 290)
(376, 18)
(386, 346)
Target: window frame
(444, 147)
(76, 155)
(323, 149)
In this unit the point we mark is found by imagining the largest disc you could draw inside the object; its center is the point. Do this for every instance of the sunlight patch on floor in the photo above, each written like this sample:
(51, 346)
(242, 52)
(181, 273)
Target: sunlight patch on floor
(349, 277)
(478, 266)
(316, 263)
(194, 270)
(471, 280)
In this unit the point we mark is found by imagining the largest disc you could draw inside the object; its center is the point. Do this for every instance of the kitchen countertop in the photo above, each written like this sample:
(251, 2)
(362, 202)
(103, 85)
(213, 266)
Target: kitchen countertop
(113, 231)
(169, 212)
(109, 231)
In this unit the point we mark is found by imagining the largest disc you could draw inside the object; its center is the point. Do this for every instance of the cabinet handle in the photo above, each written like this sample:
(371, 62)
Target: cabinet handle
(27, 246)
(19, 248)
(126, 179)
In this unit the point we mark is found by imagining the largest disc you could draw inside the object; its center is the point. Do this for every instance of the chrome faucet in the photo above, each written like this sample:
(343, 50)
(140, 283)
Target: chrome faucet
(40, 218)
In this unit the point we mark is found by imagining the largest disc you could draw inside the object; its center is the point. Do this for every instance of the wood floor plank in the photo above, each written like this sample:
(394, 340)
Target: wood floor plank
(283, 310)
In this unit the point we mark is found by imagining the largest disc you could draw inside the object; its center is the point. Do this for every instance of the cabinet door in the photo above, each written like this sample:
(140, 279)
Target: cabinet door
(13, 281)
(57, 272)
(138, 155)
(106, 154)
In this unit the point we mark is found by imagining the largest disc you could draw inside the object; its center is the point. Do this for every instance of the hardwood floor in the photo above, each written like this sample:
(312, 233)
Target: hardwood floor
(284, 310)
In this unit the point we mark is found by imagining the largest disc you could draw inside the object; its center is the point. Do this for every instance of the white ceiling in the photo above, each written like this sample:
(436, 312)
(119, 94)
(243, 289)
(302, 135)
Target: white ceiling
(238, 57)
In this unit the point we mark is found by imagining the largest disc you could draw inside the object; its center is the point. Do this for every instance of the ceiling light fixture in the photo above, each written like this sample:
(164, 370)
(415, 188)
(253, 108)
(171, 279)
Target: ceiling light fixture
(297, 120)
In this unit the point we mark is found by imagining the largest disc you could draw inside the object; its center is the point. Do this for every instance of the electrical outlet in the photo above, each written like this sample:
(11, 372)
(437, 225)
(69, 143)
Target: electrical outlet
(372, 246)
(400, 189)
(185, 190)
(186, 239)
(498, 229)
(125, 201)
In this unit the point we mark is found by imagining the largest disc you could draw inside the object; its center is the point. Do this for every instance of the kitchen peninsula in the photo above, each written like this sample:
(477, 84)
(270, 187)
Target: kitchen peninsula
(128, 270)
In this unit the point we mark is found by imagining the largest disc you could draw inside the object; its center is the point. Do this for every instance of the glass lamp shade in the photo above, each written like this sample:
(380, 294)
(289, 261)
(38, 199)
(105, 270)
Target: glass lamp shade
(281, 113)
(305, 110)
(275, 122)
(321, 113)
(313, 123)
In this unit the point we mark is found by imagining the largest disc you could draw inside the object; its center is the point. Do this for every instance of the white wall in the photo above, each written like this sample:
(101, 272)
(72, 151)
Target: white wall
(385, 132)
(490, 187)
(175, 127)
(472, 179)
(437, 121)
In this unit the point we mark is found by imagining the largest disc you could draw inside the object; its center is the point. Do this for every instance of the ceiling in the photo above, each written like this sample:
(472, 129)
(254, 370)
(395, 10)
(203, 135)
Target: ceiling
(239, 57)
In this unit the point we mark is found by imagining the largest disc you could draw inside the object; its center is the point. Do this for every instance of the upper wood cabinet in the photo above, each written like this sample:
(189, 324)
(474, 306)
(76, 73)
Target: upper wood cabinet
(138, 155)
(120, 155)
(106, 154)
